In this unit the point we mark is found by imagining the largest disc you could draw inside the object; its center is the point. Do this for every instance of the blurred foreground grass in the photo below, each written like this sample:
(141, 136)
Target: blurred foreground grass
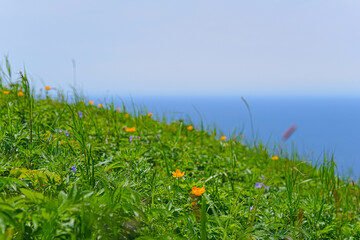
(84, 171)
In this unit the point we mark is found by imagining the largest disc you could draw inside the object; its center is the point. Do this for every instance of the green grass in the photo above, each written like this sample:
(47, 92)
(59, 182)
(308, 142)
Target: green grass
(124, 189)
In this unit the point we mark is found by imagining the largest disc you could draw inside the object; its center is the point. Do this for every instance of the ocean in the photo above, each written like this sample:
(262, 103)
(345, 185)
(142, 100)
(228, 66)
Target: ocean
(328, 125)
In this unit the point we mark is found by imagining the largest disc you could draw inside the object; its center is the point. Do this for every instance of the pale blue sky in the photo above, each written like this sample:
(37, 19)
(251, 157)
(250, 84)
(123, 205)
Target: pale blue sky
(253, 47)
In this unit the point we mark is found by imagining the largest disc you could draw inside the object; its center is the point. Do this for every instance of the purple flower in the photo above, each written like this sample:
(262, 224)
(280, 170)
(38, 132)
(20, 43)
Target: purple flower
(73, 168)
(62, 131)
(259, 185)
(251, 208)
(158, 136)
(131, 138)
(262, 176)
(80, 114)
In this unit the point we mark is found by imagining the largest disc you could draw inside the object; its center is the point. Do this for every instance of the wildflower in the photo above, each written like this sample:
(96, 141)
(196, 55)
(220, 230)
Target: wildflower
(158, 136)
(118, 109)
(131, 138)
(197, 191)
(73, 168)
(223, 138)
(197, 162)
(193, 204)
(149, 114)
(251, 208)
(288, 132)
(80, 114)
(242, 136)
(259, 185)
(126, 115)
(62, 131)
(40, 187)
(20, 93)
(100, 105)
(262, 176)
(6, 92)
(47, 87)
(178, 173)
(274, 157)
(91, 102)
(132, 129)
(190, 127)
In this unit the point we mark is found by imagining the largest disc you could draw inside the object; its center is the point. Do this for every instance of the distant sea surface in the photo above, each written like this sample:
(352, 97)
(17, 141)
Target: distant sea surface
(324, 125)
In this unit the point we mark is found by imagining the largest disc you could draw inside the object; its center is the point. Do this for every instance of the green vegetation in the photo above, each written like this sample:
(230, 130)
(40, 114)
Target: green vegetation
(108, 175)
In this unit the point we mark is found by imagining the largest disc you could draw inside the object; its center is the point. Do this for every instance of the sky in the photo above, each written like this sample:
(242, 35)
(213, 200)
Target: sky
(203, 47)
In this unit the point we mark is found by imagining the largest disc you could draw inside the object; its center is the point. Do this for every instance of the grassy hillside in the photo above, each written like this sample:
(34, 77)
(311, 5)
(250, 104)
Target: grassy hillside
(89, 171)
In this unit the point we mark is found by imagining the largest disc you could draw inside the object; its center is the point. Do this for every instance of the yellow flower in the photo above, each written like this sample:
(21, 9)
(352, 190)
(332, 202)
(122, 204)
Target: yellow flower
(132, 129)
(190, 127)
(197, 191)
(91, 102)
(6, 92)
(47, 87)
(178, 173)
(20, 93)
(223, 138)
(274, 157)
(100, 105)
(149, 114)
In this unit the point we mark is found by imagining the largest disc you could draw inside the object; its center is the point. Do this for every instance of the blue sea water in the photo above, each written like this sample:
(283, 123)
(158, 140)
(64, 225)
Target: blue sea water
(324, 125)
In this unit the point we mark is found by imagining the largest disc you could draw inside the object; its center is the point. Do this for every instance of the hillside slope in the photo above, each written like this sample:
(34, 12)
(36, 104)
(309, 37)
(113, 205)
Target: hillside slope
(90, 170)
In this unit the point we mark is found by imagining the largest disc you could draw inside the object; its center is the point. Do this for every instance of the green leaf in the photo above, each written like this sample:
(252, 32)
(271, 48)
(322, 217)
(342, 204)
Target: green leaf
(32, 196)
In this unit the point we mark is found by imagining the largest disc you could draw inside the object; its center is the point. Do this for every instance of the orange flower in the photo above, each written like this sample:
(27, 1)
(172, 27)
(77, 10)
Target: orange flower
(149, 114)
(190, 127)
(197, 191)
(6, 92)
(274, 157)
(100, 105)
(126, 115)
(178, 173)
(132, 129)
(91, 102)
(223, 138)
(20, 93)
(47, 87)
